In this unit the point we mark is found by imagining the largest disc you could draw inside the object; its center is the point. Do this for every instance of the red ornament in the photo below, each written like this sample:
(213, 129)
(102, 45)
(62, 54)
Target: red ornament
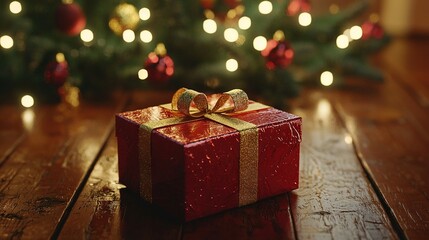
(207, 4)
(372, 30)
(57, 72)
(298, 6)
(160, 68)
(210, 4)
(277, 54)
(70, 18)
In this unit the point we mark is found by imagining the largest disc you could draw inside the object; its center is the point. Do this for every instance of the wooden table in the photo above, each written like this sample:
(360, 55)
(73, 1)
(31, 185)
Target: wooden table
(364, 167)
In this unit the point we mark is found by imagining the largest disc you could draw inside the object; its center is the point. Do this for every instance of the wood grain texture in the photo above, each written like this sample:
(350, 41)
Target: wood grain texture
(267, 219)
(106, 210)
(43, 173)
(406, 61)
(13, 128)
(389, 126)
(335, 199)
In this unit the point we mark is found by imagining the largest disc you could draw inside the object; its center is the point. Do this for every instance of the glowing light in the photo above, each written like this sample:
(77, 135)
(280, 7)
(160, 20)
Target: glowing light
(356, 32)
(240, 41)
(333, 9)
(347, 33)
(128, 35)
(279, 35)
(265, 7)
(231, 65)
(6, 42)
(27, 101)
(374, 17)
(146, 36)
(209, 14)
(15, 7)
(143, 74)
(230, 35)
(144, 14)
(27, 117)
(231, 14)
(60, 57)
(209, 26)
(260, 43)
(244, 23)
(86, 35)
(323, 110)
(348, 139)
(304, 19)
(342, 41)
(326, 78)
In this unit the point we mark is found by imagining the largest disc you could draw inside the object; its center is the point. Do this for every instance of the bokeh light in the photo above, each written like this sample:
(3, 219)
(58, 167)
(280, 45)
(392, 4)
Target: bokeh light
(260, 43)
(326, 78)
(304, 19)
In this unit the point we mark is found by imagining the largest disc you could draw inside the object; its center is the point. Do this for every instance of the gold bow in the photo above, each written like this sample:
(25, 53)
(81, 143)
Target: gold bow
(183, 99)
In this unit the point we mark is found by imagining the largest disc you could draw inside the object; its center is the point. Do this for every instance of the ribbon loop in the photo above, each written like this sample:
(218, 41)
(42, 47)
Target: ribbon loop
(183, 99)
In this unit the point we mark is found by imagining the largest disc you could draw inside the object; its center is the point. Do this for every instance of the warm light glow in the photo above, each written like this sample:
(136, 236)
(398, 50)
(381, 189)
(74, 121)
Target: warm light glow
(209, 14)
(279, 35)
(244, 23)
(86, 35)
(146, 36)
(60, 57)
(27, 101)
(334, 9)
(144, 14)
(260, 43)
(27, 117)
(265, 7)
(209, 26)
(241, 39)
(326, 78)
(15, 7)
(128, 35)
(304, 19)
(342, 41)
(231, 65)
(356, 32)
(347, 33)
(143, 74)
(374, 17)
(6, 42)
(230, 35)
(348, 139)
(231, 14)
(323, 110)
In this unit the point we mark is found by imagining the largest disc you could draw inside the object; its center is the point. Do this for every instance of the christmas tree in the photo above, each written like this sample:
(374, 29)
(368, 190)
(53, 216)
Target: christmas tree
(264, 47)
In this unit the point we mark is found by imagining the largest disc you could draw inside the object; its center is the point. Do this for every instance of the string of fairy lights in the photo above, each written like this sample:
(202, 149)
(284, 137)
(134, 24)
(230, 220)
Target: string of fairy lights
(209, 26)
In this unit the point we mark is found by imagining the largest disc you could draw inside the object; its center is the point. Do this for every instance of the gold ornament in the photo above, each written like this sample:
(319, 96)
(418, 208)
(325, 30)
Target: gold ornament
(125, 16)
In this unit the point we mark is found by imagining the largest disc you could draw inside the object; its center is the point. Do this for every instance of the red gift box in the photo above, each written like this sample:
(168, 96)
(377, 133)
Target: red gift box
(193, 167)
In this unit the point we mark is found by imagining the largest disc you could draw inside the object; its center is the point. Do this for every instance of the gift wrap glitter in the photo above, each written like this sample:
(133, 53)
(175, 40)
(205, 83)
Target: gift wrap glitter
(195, 167)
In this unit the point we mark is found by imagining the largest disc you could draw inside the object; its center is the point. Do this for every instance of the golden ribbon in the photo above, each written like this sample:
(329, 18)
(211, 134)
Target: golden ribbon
(195, 104)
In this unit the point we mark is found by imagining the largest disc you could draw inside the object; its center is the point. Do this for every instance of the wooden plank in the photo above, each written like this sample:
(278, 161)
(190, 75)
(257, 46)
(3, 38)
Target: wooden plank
(42, 175)
(406, 61)
(389, 126)
(106, 210)
(335, 199)
(13, 125)
(267, 219)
